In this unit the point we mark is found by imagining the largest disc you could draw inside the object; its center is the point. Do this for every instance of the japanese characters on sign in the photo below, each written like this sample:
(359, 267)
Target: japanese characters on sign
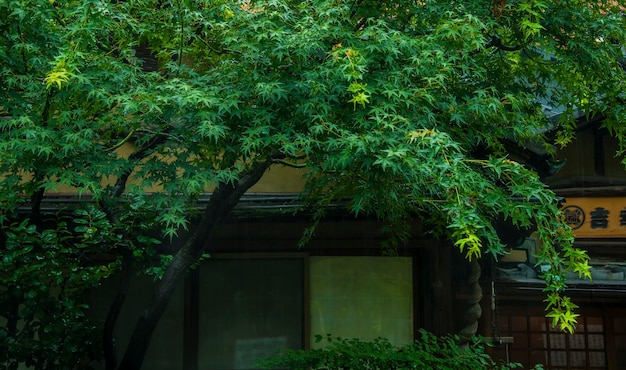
(596, 217)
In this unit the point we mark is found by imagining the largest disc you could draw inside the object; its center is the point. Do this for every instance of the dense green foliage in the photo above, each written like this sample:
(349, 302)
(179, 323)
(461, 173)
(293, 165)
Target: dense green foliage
(405, 108)
(428, 352)
(44, 294)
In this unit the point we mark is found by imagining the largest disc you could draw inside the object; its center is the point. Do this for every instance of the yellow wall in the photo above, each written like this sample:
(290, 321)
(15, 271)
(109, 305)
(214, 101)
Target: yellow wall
(278, 179)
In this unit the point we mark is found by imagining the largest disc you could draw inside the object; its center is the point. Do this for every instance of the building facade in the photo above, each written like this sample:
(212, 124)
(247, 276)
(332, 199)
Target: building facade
(592, 184)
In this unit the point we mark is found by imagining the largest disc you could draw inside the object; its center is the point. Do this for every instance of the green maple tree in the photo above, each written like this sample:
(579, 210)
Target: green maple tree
(405, 108)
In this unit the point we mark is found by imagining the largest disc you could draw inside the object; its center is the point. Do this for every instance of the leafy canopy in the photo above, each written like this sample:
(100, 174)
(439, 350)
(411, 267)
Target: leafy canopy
(405, 108)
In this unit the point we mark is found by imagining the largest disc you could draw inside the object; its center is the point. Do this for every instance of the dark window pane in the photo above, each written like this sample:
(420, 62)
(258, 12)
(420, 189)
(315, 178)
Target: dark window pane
(578, 359)
(557, 341)
(558, 358)
(249, 308)
(538, 323)
(166, 347)
(538, 357)
(596, 341)
(538, 340)
(576, 341)
(595, 325)
(597, 359)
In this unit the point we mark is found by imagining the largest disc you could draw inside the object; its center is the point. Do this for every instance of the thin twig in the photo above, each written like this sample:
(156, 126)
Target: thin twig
(289, 164)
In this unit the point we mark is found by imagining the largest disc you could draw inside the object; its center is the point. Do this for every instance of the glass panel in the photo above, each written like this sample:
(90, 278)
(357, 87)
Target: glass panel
(577, 341)
(538, 340)
(596, 341)
(249, 309)
(597, 359)
(537, 323)
(558, 358)
(580, 326)
(166, 347)
(538, 357)
(362, 297)
(557, 341)
(577, 359)
(595, 325)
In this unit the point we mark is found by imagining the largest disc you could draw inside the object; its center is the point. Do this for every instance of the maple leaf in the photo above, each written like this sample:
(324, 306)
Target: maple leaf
(58, 76)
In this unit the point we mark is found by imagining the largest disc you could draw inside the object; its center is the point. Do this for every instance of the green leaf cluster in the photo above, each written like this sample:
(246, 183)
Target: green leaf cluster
(45, 279)
(427, 352)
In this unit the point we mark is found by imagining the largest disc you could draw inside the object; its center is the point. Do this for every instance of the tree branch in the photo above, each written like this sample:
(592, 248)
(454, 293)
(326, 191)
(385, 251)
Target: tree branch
(360, 24)
(45, 114)
(497, 43)
(115, 308)
(289, 164)
(122, 142)
(354, 6)
(108, 344)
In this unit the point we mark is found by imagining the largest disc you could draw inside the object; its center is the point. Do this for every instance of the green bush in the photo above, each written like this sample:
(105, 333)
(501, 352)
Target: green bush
(428, 352)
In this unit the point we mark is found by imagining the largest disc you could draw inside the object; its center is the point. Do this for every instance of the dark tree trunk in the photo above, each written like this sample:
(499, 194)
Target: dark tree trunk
(473, 311)
(108, 343)
(108, 340)
(222, 202)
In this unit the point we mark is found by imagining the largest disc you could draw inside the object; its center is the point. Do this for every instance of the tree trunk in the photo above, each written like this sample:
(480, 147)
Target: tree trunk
(108, 343)
(222, 202)
(108, 339)
(474, 311)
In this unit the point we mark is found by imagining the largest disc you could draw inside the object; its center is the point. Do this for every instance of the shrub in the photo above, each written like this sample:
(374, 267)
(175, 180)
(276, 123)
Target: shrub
(428, 352)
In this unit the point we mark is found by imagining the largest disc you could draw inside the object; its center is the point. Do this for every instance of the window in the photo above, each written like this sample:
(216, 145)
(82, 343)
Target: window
(248, 308)
(535, 341)
(619, 327)
(166, 347)
(362, 297)
(236, 308)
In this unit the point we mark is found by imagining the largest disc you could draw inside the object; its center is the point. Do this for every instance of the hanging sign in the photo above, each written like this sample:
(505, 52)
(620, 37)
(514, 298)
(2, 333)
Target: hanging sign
(596, 217)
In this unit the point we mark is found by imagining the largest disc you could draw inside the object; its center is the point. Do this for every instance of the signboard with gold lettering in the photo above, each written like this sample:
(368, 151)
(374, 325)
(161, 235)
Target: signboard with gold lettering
(596, 217)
